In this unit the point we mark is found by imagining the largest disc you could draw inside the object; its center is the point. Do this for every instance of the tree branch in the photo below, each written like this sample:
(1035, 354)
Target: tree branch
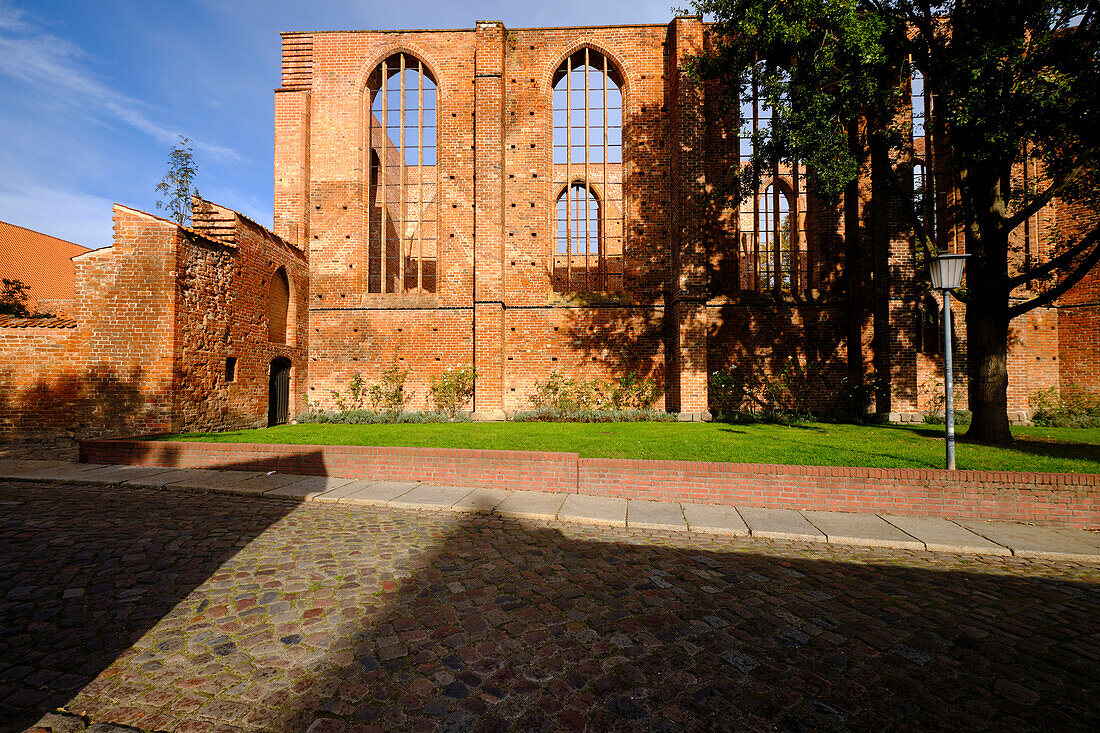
(1058, 290)
(1046, 197)
(1057, 262)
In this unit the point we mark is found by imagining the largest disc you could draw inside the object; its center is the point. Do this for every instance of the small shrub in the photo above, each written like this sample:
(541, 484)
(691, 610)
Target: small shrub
(550, 414)
(633, 393)
(390, 396)
(962, 417)
(937, 401)
(371, 417)
(452, 389)
(1072, 407)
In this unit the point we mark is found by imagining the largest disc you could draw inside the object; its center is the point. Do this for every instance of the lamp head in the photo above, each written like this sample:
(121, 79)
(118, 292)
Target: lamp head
(947, 271)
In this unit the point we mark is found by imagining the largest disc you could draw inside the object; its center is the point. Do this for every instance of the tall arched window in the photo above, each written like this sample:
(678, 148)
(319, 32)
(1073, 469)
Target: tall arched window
(578, 253)
(588, 157)
(278, 303)
(402, 217)
(773, 241)
(923, 181)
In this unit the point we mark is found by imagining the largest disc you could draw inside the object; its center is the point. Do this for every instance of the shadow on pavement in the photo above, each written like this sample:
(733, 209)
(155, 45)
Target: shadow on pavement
(269, 616)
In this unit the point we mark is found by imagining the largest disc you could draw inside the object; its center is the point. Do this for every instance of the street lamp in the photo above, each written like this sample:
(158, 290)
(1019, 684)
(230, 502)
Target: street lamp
(947, 273)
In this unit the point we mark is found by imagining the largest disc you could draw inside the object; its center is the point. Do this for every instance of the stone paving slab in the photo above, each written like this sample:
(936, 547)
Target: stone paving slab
(119, 474)
(481, 501)
(19, 468)
(531, 505)
(64, 472)
(266, 482)
(663, 515)
(942, 535)
(341, 493)
(430, 496)
(1029, 541)
(780, 524)
(378, 493)
(211, 480)
(593, 510)
(715, 519)
(309, 488)
(160, 480)
(868, 530)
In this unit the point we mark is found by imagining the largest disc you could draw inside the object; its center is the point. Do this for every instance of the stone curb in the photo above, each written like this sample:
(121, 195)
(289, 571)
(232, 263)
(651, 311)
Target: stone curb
(760, 523)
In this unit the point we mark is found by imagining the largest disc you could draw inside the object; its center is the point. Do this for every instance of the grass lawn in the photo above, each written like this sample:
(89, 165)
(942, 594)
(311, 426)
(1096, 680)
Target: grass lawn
(817, 444)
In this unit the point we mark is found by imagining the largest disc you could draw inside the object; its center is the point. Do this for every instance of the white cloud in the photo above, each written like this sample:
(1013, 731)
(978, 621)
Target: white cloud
(73, 215)
(57, 68)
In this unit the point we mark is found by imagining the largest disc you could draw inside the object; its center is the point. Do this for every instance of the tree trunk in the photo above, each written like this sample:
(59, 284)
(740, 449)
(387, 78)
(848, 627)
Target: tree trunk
(983, 198)
(987, 369)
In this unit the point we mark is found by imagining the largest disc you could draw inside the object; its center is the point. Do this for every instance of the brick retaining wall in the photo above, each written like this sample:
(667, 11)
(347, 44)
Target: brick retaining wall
(1066, 499)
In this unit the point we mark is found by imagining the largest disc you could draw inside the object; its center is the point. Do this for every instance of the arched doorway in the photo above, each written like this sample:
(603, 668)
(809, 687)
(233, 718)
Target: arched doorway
(278, 391)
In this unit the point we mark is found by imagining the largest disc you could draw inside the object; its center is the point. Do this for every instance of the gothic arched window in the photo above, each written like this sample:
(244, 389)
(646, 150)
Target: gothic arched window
(402, 221)
(588, 157)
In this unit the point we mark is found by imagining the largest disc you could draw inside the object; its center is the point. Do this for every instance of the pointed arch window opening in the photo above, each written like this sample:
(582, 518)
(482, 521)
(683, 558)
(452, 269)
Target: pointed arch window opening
(924, 194)
(588, 157)
(402, 212)
(773, 247)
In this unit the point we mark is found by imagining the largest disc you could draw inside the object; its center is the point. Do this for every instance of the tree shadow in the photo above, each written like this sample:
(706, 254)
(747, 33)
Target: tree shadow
(1034, 446)
(86, 572)
(408, 620)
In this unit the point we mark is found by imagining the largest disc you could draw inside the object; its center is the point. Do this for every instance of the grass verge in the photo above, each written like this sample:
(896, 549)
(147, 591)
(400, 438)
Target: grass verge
(813, 444)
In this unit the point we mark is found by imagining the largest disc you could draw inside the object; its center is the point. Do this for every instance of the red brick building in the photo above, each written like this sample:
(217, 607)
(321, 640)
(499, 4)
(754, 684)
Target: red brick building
(524, 201)
(172, 328)
(536, 200)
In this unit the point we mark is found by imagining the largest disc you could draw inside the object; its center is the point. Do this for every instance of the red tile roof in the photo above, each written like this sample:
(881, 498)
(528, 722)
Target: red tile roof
(39, 260)
(52, 322)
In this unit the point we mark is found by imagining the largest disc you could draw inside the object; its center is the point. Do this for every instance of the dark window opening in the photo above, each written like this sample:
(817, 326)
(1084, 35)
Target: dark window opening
(230, 369)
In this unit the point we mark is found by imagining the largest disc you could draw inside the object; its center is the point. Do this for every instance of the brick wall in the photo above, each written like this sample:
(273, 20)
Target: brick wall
(1071, 500)
(154, 319)
(683, 308)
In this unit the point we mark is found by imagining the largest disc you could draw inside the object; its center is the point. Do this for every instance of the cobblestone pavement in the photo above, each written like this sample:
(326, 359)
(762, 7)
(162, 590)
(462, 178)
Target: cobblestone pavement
(174, 611)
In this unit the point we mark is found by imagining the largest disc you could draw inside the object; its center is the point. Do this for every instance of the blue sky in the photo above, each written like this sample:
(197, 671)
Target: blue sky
(96, 92)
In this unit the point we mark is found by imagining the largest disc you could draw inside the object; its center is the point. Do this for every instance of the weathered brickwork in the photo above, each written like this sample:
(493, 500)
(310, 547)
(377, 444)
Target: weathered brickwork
(156, 317)
(687, 304)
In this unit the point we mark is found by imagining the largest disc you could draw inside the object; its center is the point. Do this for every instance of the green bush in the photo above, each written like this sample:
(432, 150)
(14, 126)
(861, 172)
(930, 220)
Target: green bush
(962, 417)
(453, 388)
(566, 395)
(370, 417)
(551, 414)
(1071, 407)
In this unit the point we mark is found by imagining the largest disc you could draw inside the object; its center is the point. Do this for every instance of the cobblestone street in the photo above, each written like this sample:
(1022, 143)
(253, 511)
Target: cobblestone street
(166, 610)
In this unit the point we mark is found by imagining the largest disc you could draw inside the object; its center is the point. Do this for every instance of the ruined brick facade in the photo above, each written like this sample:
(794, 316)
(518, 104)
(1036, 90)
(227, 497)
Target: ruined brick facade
(155, 319)
(686, 303)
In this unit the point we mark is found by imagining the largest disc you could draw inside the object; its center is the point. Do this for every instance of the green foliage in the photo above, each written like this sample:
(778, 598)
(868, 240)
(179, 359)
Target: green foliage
(452, 389)
(372, 417)
(609, 415)
(566, 395)
(176, 186)
(752, 390)
(13, 298)
(1011, 79)
(1073, 406)
(386, 398)
(937, 400)
(14, 295)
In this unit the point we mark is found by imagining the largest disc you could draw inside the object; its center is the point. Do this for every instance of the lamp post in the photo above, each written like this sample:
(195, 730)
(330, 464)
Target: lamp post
(947, 272)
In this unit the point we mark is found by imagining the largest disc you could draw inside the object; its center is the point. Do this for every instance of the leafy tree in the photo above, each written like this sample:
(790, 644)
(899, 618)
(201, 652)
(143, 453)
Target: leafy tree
(13, 298)
(1008, 76)
(176, 186)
